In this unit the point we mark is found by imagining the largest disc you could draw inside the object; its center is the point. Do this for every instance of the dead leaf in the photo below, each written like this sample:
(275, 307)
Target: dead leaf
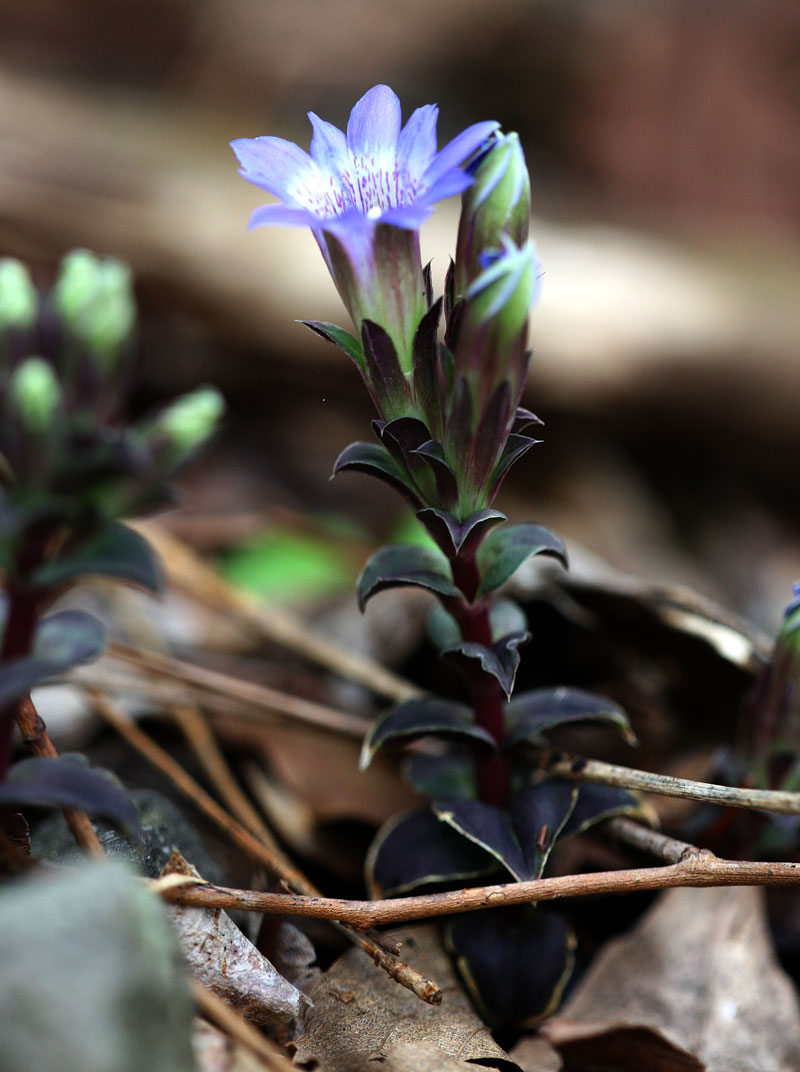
(535, 1054)
(361, 1016)
(223, 959)
(695, 985)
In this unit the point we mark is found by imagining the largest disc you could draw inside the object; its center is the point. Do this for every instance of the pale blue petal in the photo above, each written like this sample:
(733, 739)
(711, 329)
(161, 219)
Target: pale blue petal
(374, 125)
(409, 217)
(281, 216)
(328, 145)
(416, 146)
(457, 151)
(452, 182)
(274, 164)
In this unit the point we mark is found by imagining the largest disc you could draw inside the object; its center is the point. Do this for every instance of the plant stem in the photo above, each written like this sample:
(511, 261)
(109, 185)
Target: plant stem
(493, 771)
(17, 641)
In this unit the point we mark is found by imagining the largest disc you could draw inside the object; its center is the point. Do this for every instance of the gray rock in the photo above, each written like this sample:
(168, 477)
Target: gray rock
(91, 979)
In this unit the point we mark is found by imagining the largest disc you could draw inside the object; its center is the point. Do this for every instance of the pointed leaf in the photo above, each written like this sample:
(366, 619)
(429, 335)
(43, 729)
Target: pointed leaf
(62, 640)
(446, 483)
(515, 447)
(459, 537)
(426, 365)
(448, 777)
(416, 850)
(401, 437)
(69, 783)
(113, 551)
(524, 419)
(458, 427)
(427, 282)
(521, 838)
(443, 628)
(533, 713)
(419, 718)
(596, 803)
(490, 435)
(501, 660)
(375, 460)
(341, 338)
(383, 365)
(505, 549)
(406, 564)
(515, 962)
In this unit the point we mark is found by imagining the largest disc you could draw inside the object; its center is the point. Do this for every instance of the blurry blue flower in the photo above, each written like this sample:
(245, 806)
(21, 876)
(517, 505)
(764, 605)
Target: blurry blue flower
(364, 194)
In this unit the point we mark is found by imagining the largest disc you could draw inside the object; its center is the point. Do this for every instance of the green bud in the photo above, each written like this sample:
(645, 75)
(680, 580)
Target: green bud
(34, 394)
(95, 300)
(189, 422)
(497, 306)
(496, 205)
(18, 298)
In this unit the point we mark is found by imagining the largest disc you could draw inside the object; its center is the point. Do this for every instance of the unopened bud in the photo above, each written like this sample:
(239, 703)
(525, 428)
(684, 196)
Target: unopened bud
(95, 300)
(497, 205)
(18, 297)
(34, 394)
(189, 422)
(498, 302)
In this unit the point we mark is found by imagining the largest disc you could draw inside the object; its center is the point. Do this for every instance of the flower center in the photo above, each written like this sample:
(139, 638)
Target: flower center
(366, 184)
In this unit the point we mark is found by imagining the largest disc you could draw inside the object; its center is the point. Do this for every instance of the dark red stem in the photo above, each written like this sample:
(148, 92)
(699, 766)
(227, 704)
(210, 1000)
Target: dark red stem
(23, 614)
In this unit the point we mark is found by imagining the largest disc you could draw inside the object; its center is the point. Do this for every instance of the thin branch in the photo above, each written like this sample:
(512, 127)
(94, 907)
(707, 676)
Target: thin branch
(35, 735)
(594, 770)
(188, 572)
(642, 837)
(269, 855)
(699, 869)
(213, 1007)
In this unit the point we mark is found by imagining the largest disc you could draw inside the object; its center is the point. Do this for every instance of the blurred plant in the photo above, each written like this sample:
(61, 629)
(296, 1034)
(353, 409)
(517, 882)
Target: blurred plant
(70, 467)
(449, 428)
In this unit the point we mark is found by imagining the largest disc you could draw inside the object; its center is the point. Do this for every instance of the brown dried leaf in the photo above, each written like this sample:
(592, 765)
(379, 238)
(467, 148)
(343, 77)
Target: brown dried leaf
(695, 985)
(224, 960)
(535, 1054)
(360, 1017)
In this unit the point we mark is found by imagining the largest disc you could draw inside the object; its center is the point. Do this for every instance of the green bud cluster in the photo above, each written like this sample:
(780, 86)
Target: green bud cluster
(34, 394)
(96, 303)
(18, 298)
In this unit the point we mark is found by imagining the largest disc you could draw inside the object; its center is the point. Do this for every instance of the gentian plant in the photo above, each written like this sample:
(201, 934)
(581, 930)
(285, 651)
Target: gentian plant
(446, 377)
(71, 466)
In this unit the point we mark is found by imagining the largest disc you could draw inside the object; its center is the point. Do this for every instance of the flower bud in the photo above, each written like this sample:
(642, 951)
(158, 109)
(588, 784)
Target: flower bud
(34, 395)
(18, 297)
(496, 205)
(95, 300)
(183, 427)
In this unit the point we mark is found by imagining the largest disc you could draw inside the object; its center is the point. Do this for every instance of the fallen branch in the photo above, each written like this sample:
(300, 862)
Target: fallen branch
(594, 770)
(700, 868)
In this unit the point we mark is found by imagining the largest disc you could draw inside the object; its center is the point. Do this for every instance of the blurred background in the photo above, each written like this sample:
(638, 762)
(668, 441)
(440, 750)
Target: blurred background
(664, 144)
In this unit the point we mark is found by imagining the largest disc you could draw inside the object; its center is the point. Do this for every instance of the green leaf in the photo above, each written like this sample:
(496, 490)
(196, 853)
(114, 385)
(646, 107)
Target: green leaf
(418, 850)
(112, 551)
(533, 713)
(515, 962)
(505, 549)
(341, 338)
(522, 837)
(406, 564)
(69, 783)
(420, 718)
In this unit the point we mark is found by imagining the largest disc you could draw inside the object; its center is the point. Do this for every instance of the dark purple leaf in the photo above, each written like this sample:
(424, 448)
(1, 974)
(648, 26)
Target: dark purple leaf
(505, 549)
(524, 419)
(420, 718)
(406, 564)
(449, 298)
(69, 783)
(113, 551)
(426, 378)
(490, 435)
(458, 428)
(401, 437)
(417, 850)
(342, 339)
(446, 484)
(533, 713)
(375, 460)
(383, 366)
(515, 962)
(515, 447)
(459, 537)
(598, 802)
(62, 641)
(522, 837)
(501, 660)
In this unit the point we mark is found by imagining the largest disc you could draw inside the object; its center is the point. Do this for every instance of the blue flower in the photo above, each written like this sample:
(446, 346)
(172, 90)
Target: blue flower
(375, 171)
(364, 194)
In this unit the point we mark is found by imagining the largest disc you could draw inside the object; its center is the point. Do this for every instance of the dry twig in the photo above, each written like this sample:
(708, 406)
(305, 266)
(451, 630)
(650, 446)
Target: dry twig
(235, 1025)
